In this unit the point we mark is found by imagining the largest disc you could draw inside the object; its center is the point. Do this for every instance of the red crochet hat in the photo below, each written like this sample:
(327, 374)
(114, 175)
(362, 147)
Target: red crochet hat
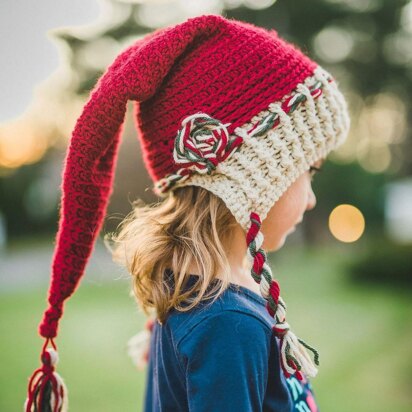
(219, 103)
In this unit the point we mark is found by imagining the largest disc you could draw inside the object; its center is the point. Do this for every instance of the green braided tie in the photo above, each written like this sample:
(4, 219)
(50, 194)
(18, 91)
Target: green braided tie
(313, 350)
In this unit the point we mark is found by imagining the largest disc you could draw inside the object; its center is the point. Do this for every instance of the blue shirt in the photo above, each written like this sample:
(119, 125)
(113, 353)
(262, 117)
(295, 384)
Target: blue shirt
(221, 356)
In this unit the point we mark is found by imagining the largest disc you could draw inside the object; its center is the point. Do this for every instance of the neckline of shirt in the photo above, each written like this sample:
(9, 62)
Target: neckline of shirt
(246, 291)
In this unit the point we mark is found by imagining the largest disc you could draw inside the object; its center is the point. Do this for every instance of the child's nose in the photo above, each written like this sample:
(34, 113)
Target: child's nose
(311, 199)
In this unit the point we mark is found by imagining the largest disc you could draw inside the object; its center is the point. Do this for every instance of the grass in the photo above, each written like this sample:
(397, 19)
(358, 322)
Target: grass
(92, 348)
(363, 335)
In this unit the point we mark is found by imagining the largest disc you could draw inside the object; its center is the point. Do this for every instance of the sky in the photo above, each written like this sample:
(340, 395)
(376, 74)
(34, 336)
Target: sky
(27, 55)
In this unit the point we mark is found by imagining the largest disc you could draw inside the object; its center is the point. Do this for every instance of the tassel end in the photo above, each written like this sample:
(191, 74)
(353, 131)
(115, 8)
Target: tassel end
(138, 346)
(47, 390)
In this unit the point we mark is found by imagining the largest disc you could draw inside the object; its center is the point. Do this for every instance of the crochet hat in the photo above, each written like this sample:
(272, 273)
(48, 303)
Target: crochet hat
(220, 104)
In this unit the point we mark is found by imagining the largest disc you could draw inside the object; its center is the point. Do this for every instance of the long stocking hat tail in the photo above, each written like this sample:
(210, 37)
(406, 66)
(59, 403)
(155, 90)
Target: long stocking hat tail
(88, 173)
(135, 74)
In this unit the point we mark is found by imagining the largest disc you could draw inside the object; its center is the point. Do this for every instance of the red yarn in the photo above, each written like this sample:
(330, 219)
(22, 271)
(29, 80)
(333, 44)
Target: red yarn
(233, 74)
(285, 372)
(270, 310)
(258, 262)
(40, 378)
(274, 291)
(149, 324)
(298, 374)
(254, 227)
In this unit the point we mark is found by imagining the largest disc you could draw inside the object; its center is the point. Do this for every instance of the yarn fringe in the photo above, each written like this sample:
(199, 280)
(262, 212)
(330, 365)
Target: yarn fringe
(138, 346)
(47, 391)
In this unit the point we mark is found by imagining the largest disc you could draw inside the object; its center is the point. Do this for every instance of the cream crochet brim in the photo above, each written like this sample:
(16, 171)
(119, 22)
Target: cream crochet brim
(257, 175)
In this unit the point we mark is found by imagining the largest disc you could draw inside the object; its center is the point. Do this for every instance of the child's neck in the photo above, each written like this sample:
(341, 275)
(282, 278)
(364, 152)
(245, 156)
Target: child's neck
(240, 270)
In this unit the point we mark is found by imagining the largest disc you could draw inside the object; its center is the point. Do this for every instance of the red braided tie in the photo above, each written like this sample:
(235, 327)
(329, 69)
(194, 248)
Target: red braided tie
(254, 227)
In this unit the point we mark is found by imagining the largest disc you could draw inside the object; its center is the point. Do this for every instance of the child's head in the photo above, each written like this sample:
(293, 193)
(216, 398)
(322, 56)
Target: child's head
(288, 211)
(192, 226)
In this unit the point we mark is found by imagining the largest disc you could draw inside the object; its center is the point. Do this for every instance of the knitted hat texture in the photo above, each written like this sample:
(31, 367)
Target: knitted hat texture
(220, 104)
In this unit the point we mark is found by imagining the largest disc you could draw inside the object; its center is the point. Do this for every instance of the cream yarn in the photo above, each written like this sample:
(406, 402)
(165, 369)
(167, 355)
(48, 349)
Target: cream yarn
(255, 176)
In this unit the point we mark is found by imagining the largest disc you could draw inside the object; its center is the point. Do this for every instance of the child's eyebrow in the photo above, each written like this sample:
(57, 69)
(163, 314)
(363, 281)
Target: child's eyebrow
(320, 162)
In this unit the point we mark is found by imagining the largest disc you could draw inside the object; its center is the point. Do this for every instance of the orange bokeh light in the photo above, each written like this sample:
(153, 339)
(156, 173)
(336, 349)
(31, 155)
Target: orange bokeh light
(346, 223)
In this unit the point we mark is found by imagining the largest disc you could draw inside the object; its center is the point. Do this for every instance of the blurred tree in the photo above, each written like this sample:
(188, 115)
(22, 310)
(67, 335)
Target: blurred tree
(29, 197)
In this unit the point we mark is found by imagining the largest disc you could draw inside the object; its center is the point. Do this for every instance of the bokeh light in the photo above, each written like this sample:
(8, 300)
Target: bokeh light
(378, 128)
(360, 6)
(398, 211)
(406, 17)
(20, 145)
(99, 53)
(346, 223)
(258, 4)
(161, 13)
(333, 44)
(397, 48)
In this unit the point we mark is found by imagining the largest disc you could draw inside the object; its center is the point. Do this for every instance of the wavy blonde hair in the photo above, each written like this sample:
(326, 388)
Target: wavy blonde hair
(190, 225)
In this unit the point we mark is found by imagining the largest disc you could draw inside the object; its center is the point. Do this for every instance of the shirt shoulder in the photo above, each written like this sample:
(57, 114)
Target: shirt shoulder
(228, 349)
(235, 303)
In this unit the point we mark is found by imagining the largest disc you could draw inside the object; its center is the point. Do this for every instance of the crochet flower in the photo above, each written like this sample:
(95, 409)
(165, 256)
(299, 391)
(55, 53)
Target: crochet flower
(202, 142)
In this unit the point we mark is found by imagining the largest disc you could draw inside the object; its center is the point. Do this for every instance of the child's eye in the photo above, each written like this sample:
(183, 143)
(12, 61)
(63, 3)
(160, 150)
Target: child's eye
(313, 170)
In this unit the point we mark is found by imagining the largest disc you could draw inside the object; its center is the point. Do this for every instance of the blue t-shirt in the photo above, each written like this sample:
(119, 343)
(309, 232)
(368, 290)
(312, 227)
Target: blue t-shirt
(221, 356)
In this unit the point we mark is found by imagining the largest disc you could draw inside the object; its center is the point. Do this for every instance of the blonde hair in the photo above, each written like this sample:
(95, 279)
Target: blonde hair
(190, 225)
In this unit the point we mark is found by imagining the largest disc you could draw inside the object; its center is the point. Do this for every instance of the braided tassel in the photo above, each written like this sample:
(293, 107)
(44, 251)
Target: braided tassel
(47, 391)
(139, 345)
(294, 357)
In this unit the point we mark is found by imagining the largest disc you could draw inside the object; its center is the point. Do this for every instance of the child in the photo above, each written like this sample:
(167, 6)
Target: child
(233, 121)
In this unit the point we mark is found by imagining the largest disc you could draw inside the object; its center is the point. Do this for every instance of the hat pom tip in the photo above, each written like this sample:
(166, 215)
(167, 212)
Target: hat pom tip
(47, 390)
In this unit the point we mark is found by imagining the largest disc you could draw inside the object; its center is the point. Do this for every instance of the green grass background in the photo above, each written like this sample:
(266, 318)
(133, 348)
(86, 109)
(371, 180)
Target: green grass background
(363, 334)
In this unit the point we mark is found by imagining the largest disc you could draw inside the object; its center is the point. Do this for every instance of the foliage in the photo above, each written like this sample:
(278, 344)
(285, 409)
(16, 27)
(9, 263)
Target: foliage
(377, 34)
(348, 183)
(383, 263)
